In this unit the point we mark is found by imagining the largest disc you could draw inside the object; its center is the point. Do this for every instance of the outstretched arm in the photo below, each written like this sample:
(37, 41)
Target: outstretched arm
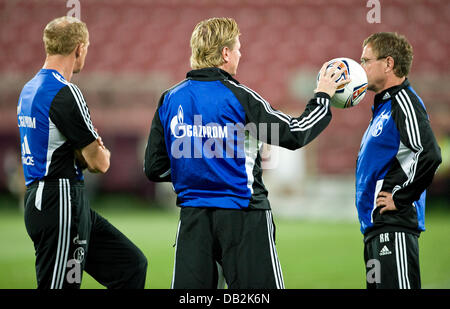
(292, 132)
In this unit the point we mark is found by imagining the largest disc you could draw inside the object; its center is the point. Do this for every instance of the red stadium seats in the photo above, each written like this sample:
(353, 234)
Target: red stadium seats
(278, 39)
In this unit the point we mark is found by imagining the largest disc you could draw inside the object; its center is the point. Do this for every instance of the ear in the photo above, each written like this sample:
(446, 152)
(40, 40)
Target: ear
(78, 50)
(389, 64)
(226, 54)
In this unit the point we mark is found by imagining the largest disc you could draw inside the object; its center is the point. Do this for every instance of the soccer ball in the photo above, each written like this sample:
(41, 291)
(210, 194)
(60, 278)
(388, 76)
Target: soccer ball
(352, 93)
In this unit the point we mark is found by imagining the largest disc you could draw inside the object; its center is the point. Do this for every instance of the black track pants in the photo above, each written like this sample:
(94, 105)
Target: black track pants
(69, 237)
(392, 261)
(239, 242)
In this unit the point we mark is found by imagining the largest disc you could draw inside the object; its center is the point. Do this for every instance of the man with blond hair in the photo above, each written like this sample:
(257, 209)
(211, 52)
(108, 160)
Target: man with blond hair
(205, 138)
(58, 141)
(396, 163)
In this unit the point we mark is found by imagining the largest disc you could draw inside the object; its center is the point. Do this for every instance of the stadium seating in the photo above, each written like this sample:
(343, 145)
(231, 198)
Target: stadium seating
(278, 39)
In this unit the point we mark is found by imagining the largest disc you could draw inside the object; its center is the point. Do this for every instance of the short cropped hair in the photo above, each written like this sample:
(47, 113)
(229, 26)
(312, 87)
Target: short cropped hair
(392, 44)
(62, 35)
(208, 40)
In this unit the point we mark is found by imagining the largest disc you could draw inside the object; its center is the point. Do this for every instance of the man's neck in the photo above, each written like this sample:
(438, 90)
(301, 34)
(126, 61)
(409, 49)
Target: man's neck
(225, 68)
(391, 82)
(63, 64)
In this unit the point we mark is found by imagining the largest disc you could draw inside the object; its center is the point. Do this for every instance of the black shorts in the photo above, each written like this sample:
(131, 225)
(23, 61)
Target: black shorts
(392, 261)
(69, 237)
(240, 242)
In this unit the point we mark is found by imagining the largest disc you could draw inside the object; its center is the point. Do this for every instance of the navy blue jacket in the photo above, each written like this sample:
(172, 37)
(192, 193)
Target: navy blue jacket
(206, 137)
(398, 154)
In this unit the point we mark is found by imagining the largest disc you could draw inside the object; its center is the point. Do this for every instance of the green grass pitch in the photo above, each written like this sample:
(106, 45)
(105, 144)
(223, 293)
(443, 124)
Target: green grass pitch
(315, 255)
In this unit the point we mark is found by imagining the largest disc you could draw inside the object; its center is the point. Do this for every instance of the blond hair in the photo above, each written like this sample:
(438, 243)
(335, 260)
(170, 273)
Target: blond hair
(62, 35)
(385, 44)
(208, 40)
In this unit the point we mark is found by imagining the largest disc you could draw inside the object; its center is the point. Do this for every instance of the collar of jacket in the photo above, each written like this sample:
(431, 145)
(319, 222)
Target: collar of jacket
(210, 74)
(389, 93)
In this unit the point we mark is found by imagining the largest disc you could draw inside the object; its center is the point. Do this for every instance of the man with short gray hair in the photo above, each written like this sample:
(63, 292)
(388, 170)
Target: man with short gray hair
(396, 163)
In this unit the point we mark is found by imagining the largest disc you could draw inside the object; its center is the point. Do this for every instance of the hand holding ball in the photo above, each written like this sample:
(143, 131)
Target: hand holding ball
(350, 82)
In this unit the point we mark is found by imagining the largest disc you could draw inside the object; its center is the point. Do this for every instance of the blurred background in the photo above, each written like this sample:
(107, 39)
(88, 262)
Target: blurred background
(140, 48)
